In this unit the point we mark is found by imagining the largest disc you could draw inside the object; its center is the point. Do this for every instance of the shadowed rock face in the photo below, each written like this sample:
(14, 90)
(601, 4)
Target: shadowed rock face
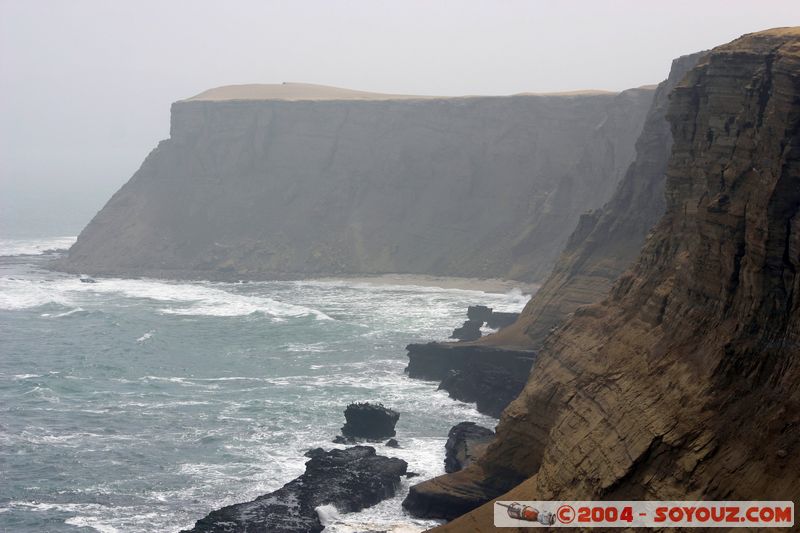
(350, 480)
(369, 421)
(475, 186)
(683, 383)
(489, 376)
(607, 241)
(465, 442)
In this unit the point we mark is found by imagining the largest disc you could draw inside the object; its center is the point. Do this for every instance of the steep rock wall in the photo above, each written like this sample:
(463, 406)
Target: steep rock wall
(475, 186)
(684, 383)
(606, 241)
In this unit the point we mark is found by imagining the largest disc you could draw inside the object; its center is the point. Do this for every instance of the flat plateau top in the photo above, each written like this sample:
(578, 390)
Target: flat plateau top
(308, 91)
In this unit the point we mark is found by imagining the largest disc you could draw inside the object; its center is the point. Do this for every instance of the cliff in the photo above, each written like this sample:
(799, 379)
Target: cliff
(683, 383)
(489, 376)
(297, 180)
(604, 244)
(606, 241)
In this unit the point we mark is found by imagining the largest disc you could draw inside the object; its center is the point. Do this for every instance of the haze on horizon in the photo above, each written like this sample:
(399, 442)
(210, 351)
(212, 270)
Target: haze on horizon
(85, 86)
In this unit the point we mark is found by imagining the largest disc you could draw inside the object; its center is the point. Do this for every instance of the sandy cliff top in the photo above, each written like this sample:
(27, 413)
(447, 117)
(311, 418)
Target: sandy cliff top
(288, 91)
(292, 91)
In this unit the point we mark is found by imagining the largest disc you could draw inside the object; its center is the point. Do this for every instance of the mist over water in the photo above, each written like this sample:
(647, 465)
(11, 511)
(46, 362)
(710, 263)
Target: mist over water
(141, 405)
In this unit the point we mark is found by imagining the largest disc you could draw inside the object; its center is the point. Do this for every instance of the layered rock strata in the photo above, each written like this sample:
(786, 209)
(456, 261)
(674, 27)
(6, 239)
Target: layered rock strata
(682, 384)
(287, 182)
(489, 376)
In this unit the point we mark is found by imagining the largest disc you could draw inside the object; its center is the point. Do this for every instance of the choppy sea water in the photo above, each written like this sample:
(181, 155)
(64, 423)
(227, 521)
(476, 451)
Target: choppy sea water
(139, 405)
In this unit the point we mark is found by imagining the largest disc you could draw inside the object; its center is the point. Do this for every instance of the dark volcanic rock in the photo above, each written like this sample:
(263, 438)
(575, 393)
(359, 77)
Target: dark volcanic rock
(480, 313)
(477, 316)
(392, 443)
(489, 376)
(465, 442)
(430, 499)
(315, 452)
(470, 331)
(369, 421)
(500, 319)
(350, 480)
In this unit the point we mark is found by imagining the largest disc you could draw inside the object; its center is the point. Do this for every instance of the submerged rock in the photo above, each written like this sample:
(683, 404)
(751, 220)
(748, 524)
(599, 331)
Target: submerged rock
(392, 443)
(480, 313)
(349, 480)
(369, 421)
(465, 442)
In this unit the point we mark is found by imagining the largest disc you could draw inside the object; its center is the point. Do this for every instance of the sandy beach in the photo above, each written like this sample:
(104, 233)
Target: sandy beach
(471, 284)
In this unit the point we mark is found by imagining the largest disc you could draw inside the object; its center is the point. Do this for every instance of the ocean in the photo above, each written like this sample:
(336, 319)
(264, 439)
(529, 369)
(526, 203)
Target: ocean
(139, 405)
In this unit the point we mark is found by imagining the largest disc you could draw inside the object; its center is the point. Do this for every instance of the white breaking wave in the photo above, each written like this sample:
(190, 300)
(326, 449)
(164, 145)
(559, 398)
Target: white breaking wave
(94, 523)
(327, 514)
(16, 293)
(146, 336)
(12, 247)
(186, 298)
(65, 313)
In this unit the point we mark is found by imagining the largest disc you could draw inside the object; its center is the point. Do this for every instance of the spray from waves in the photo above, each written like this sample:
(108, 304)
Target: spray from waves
(16, 293)
(13, 247)
(514, 301)
(327, 514)
(201, 299)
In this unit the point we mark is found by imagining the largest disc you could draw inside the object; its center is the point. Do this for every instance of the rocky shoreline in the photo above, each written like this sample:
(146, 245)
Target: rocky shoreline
(356, 477)
(350, 480)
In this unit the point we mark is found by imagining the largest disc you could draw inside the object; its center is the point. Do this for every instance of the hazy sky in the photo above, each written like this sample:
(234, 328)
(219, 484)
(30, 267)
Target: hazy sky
(85, 86)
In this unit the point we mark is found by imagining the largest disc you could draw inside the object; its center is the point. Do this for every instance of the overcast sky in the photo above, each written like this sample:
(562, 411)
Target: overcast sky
(85, 86)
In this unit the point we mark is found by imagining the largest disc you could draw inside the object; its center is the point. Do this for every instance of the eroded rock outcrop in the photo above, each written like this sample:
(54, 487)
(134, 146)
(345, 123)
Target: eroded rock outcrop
(489, 376)
(683, 384)
(350, 480)
(369, 421)
(268, 184)
(466, 441)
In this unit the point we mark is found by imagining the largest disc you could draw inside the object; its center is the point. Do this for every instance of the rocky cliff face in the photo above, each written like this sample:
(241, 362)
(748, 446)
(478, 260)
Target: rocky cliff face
(264, 185)
(683, 384)
(606, 241)
(489, 376)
